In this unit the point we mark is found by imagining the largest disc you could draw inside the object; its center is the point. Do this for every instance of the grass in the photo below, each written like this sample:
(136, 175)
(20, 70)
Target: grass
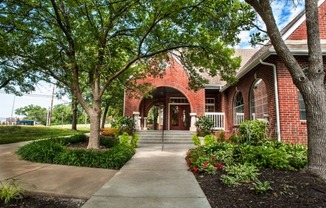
(13, 134)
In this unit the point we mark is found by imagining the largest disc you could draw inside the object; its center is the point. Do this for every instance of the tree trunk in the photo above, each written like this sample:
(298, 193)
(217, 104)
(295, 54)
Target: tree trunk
(316, 123)
(106, 109)
(74, 114)
(95, 121)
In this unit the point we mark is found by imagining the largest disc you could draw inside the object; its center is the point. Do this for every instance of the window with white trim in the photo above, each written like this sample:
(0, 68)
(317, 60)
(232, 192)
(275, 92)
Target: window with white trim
(302, 107)
(178, 100)
(209, 104)
(238, 108)
(258, 100)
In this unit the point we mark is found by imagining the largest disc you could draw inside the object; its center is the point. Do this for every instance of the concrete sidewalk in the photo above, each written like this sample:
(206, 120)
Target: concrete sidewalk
(152, 178)
(61, 180)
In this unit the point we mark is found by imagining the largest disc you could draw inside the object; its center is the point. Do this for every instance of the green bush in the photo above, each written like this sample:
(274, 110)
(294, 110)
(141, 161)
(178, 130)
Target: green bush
(44, 151)
(9, 190)
(271, 154)
(234, 139)
(239, 173)
(56, 151)
(196, 140)
(210, 140)
(220, 135)
(204, 126)
(209, 159)
(253, 131)
(261, 187)
(134, 140)
(125, 124)
(125, 138)
(108, 142)
(242, 172)
(240, 161)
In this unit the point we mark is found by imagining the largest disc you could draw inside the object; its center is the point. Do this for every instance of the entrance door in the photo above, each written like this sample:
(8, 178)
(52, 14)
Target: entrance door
(179, 117)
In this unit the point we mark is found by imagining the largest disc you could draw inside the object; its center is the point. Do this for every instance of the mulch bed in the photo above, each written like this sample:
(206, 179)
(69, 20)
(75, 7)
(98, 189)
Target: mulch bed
(40, 201)
(289, 189)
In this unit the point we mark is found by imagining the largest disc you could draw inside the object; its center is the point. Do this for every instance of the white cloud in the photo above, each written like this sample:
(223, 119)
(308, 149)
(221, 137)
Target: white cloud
(284, 12)
(245, 37)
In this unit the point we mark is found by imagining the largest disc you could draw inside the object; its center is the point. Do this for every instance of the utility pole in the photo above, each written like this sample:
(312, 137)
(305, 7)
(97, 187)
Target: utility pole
(12, 110)
(50, 116)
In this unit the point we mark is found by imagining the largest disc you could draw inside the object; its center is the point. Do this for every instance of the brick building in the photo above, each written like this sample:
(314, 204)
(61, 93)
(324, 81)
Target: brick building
(265, 90)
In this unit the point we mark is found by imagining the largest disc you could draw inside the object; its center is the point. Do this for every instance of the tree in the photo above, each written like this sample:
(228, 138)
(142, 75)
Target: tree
(98, 41)
(62, 114)
(33, 112)
(113, 102)
(310, 82)
(14, 79)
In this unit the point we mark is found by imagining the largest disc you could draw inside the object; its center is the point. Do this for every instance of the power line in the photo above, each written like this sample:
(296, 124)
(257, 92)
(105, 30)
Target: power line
(35, 95)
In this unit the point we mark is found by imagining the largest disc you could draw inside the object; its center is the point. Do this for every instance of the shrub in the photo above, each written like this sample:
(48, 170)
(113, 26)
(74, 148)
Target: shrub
(210, 140)
(234, 139)
(125, 124)
(55, 151)
(261, 187)
(108, 131)
(206, 159)
(270, 154)
(240, 161)
(253, 131)
(220, 135)
(108, 142)
(134, 140)
(204, 126)
(117, 156)
(242, 172)
(44, 151)
(196, 140)
(9, 190)
(125, 138)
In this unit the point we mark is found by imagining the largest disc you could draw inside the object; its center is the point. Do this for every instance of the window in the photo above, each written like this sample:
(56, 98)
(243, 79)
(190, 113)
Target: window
(178, 100)
(210, 105)
(258, 100)
(302, 107)
(238, 108)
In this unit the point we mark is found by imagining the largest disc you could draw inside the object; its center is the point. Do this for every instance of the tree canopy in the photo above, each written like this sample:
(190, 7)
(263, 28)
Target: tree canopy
(86, 44)
(33, 112)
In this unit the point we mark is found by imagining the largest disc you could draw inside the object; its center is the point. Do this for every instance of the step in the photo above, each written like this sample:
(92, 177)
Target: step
(183, 137)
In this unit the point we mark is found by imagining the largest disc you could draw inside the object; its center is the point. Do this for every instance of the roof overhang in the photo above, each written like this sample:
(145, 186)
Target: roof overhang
(213, 87)
(296, 47)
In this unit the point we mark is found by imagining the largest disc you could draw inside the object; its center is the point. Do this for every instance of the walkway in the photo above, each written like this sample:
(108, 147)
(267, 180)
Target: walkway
(61, 180)
(152, 179)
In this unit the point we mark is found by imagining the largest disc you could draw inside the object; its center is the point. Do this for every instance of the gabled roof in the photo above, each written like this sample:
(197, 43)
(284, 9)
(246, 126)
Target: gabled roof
(297, 47)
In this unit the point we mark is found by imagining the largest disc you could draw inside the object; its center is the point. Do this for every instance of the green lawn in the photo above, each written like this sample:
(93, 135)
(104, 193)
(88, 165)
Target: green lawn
(12, 134)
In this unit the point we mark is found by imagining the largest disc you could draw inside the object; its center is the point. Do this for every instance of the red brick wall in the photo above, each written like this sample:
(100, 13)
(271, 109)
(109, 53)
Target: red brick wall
(301, 32)
(292, 129)
(244, 86)
(175, 77)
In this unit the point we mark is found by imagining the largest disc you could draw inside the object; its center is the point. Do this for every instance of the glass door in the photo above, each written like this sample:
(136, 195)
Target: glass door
(179, 117)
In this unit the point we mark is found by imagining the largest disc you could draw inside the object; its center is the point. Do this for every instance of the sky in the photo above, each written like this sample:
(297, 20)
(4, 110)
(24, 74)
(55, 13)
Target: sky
(284, 12)
(42, 97)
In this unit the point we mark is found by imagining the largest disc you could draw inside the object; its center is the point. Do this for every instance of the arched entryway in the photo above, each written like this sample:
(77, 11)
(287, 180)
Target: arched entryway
(165, 108)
